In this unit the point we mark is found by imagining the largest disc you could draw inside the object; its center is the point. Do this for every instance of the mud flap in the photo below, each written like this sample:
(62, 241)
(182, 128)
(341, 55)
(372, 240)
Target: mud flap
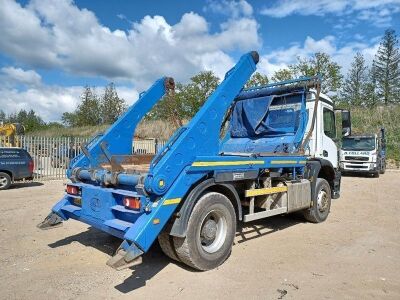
(51, 221)
(126, 256)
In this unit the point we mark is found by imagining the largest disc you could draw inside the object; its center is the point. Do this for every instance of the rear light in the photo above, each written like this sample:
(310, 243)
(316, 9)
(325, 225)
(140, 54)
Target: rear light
(72, 190)
(30, 166)
(132, 202)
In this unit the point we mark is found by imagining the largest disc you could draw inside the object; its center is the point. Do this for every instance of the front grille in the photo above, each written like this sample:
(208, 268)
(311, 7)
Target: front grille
(359, 158)
(357, 167)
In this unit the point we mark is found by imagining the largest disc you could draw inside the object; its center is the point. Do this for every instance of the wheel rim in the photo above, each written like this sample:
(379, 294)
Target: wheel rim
(3, 181)
(213, 231)
(322, 201)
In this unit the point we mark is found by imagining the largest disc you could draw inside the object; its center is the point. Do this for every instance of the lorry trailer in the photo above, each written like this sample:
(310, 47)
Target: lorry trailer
(247, 154)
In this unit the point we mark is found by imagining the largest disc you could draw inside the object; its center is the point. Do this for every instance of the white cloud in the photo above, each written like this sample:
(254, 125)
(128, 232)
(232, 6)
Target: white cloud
(50, 101)
(377, 12)
(282, 58)
(57, 34)
(231, 8)
(12, 76)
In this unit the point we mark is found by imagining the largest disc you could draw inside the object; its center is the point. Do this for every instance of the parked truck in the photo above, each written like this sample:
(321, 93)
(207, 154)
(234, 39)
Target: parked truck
(364, 153)
(247, 154)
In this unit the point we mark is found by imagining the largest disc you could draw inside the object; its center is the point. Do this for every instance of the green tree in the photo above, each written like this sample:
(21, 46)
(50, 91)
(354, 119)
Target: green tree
(171, 107)
(281, 75)
(30, 120)
(371, 97)
(111, 105)
(2, 116)
(88, 112)
(257, 79)
(319, 64)
(387, 66)
(197, 91)
(69, 119)
(186, 100)
(354, 87)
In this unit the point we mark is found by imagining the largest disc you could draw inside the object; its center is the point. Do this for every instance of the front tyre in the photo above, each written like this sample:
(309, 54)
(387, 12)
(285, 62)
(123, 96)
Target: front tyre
(321, 205)
(210, 233)
(5, 181)
(383, 168)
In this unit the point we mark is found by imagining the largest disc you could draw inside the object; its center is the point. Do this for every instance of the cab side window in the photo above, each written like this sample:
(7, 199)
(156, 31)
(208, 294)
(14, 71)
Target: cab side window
(329, 123)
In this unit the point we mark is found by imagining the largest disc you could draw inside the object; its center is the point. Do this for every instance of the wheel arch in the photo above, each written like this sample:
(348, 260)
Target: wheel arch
(321, 168)
(8, 172)
(179, 225)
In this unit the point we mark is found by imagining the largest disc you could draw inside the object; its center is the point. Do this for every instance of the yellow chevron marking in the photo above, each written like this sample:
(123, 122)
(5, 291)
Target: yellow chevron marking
(226, 163)
(172, 201)
(278, 162)
(265, 191)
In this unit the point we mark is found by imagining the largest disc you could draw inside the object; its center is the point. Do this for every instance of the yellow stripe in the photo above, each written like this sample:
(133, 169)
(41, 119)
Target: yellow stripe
(226, 163)
(172, 201)
(302, 161)
(265, 191)
(278, 162)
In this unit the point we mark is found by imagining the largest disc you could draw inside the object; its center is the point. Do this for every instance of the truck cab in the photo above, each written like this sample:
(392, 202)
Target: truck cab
(364, 153)
(323, 144)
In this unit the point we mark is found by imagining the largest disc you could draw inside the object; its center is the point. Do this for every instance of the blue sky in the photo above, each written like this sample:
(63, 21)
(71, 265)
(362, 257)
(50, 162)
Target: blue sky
(51, 48)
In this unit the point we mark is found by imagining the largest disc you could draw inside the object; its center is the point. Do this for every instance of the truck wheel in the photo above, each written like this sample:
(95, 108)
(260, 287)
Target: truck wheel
(319, 210)
(210, 233)
(5, 181)
(167, 245)
(383, 168)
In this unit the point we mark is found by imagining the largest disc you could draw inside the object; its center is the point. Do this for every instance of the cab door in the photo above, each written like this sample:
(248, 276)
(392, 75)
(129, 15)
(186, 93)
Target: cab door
(329, 148)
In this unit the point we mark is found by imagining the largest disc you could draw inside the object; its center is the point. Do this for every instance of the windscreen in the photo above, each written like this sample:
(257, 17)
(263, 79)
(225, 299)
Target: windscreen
(359, 144)
(266, 116)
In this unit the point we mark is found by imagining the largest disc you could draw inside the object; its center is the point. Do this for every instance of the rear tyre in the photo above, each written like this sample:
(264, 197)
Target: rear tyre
(321, 205)
(5, 181)
(383, 168)
(210, 233)
(167, 245)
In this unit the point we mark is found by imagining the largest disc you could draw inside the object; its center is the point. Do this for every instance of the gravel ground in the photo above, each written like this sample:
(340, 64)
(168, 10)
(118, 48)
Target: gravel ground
(355, 254)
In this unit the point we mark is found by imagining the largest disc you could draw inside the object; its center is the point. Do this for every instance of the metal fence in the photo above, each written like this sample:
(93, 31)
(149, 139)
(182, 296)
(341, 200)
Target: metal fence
(51, 155)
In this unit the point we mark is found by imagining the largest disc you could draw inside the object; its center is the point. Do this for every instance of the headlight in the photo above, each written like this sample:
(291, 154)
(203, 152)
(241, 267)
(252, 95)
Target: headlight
(341, 165)
(373, 157)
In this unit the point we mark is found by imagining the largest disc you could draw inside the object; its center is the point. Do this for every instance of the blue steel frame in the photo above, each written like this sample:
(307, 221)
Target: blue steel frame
(190, 156)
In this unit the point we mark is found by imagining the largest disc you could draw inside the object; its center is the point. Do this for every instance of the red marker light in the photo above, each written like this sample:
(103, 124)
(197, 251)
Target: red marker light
(72, 190)
(132, 202)
(30, 166)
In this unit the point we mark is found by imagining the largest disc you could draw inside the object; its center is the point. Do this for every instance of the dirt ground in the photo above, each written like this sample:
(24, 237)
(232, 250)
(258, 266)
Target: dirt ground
(355, 254)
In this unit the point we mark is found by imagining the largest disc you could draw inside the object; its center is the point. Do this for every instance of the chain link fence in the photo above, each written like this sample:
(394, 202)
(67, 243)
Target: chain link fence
(51, 155)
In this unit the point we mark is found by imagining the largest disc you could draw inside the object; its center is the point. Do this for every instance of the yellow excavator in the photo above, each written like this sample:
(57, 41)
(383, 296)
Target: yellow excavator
(9, 134)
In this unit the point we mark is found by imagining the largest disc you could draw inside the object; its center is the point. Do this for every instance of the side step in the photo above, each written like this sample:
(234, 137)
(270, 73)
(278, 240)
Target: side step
(118, 224)
(122, 209)
(254, 192)
(264, 214)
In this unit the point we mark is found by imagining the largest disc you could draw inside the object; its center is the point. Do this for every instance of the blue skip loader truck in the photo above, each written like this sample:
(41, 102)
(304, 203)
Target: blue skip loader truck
(247, 154)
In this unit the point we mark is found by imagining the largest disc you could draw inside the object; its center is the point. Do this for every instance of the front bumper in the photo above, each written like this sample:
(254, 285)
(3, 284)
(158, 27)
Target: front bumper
(357, 167)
